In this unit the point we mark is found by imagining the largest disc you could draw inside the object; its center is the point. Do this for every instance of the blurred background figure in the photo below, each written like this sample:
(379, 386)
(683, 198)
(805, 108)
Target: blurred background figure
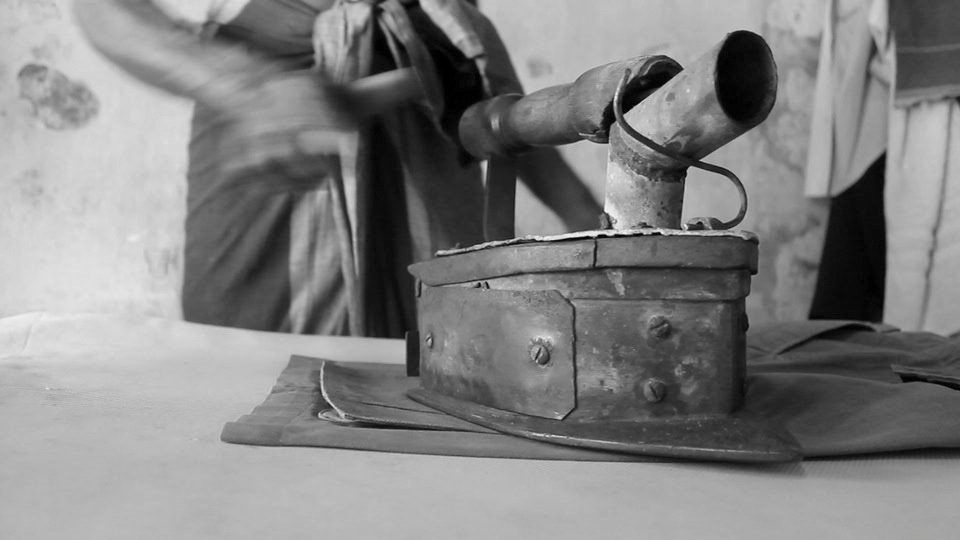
(93, 189)
(885, 144)
(302, 214)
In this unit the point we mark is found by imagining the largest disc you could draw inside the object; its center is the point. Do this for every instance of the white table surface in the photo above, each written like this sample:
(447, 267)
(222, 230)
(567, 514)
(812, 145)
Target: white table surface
(109, 428)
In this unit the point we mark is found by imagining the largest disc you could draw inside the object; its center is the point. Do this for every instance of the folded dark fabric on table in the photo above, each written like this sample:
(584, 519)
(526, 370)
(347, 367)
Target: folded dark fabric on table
(289, 417)
(829, 383)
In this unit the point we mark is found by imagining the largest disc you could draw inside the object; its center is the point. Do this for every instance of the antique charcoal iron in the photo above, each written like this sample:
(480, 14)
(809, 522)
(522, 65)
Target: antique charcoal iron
(628, 338)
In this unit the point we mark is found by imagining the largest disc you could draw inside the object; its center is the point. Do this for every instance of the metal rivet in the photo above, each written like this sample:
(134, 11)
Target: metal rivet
(540, 354)
(654, 391)
(428, 340)
(659, 327)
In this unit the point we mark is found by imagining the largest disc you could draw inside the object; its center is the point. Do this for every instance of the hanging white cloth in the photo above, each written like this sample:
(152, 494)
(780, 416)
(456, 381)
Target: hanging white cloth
(855, 120)
(922, 205)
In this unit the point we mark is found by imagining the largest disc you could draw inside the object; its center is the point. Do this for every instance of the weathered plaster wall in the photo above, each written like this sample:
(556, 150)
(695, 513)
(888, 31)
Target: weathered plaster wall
(92, 163)
(91, 174)
(554, 45)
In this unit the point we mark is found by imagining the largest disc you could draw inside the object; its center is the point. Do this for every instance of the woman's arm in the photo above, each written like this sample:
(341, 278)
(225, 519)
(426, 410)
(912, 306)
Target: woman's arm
(274, 115)
(142, 40)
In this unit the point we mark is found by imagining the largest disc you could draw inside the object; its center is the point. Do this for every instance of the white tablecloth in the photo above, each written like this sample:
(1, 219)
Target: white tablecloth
(109, 428)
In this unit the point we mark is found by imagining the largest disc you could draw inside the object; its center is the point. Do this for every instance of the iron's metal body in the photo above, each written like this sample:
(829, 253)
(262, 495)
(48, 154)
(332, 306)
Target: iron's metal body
(642, 328)
(615, 314)
(630, 339)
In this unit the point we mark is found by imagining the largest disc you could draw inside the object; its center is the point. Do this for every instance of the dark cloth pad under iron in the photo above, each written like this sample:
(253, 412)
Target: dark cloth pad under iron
(289, 417)
(376, 395)
(830, 384)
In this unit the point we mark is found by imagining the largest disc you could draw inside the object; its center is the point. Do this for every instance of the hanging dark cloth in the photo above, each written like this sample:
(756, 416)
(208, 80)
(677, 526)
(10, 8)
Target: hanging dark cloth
(850, 284)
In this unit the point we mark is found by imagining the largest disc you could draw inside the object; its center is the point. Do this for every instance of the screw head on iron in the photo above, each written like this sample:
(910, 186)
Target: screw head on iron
(654, 391)
(540, 354)
(659, 327)
(428, 340)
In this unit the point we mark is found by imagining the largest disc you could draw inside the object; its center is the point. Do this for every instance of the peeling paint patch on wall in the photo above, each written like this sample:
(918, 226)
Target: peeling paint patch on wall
(29, 185)
(48, 51)
(58, 102)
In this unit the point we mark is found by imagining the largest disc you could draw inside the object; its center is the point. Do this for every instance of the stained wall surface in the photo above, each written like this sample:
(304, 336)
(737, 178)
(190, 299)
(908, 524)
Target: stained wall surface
(91, 174)
(92, 163)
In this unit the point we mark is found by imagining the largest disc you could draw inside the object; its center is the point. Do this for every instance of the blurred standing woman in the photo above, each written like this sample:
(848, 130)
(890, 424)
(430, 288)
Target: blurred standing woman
(316, 238)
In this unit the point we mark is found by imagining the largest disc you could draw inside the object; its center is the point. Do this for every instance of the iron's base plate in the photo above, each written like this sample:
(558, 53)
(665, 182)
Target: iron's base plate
(737, 437)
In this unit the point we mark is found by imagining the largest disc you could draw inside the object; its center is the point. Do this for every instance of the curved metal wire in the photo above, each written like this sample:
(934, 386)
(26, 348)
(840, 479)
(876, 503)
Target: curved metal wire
(628, 129)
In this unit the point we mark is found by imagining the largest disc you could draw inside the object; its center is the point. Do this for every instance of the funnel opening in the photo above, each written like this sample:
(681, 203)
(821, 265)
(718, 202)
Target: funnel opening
(746, 78)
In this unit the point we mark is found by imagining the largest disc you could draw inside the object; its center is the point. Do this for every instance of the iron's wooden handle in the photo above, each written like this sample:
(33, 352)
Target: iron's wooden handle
(562, 114)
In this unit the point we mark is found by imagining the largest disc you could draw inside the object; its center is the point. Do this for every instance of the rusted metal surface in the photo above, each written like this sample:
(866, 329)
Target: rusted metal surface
(729, 90)
(737, 437)
(678, 251)
(667, 308)
(688, 250)
(691, 348)
(518, 259)
(698, 223)
(512, 350)
(695, 284)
